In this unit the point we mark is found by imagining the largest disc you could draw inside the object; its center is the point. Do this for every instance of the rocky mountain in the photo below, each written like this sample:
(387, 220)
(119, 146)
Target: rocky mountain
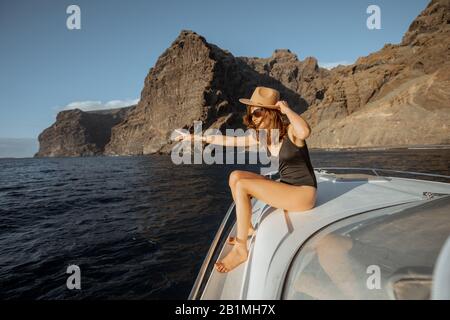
(193, 80)
(80, 133)
(397, 96)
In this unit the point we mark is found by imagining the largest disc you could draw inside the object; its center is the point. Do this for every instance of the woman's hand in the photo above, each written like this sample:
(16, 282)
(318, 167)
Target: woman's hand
(302, 130)
(283, 105)
(183, 136)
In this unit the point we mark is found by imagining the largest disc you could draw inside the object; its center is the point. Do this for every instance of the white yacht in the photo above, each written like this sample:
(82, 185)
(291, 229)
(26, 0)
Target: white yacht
(370, 236)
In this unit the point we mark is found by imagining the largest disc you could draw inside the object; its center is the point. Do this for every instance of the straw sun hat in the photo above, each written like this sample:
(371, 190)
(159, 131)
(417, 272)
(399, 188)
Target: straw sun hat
(263, 97)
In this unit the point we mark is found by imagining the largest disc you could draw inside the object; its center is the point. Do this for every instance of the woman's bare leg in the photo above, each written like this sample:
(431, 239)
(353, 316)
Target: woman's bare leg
(235, 176)
(275, 194)
(243, 214)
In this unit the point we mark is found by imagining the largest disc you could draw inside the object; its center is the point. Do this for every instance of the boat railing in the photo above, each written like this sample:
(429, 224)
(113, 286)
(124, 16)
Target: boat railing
(378, 171)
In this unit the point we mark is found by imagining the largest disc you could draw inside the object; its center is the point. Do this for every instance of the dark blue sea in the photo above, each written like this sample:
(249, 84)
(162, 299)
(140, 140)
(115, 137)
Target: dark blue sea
(138, 227)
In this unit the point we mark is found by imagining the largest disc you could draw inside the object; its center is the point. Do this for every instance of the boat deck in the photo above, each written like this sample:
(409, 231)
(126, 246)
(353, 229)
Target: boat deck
(279, 233)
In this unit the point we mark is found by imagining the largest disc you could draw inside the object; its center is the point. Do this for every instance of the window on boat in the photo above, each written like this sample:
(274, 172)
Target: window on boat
(383, 254)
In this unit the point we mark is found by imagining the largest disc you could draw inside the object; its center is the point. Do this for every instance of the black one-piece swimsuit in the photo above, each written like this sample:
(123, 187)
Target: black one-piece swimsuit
(295, 166)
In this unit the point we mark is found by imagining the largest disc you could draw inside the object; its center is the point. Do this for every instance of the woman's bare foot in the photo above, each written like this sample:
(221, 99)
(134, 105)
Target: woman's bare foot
(232, 240)
(235, 257)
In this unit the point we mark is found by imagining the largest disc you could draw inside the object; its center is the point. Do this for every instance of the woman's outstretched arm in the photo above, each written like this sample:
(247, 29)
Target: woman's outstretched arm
(230, 141)
(224, 140)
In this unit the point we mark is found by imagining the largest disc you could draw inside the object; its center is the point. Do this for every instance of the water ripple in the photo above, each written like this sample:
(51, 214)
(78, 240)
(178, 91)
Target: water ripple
(138, 227)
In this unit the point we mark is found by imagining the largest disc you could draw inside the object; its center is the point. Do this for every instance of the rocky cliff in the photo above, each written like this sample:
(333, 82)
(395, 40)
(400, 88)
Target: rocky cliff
(397, 96)
(193, 80)
(79, 133)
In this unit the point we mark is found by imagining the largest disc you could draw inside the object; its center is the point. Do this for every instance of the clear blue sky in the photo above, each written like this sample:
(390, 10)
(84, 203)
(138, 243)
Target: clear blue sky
(45, 67)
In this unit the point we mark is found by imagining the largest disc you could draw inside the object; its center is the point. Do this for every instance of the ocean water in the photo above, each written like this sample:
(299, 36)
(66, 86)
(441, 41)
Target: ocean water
(138, 227)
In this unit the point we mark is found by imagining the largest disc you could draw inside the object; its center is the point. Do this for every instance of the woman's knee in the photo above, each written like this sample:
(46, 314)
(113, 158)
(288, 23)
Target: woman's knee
(242, 185)
(234, 178)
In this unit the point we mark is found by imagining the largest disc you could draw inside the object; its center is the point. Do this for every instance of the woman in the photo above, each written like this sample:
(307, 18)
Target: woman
(297, 188)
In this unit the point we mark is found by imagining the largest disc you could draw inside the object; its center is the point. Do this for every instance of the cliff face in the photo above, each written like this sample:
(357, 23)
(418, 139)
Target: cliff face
(305, 77)
(192, 80)
(79, 133)
(399, 95)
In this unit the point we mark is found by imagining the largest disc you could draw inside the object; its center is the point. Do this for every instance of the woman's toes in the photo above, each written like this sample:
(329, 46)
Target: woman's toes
(234, 258)
(221, 268)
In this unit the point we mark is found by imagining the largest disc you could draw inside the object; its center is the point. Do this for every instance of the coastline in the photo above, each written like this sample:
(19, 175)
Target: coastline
(342, 149)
